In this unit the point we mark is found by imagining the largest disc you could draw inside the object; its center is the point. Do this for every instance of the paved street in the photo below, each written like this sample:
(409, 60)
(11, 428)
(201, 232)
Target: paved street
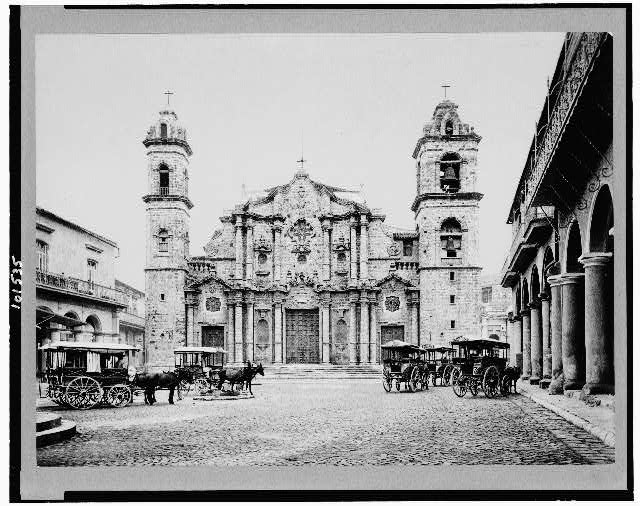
(326, 422)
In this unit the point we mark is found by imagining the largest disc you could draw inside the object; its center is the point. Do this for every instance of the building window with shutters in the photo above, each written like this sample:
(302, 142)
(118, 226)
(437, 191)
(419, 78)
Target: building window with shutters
(407, 248)
(164, 179)
(92, 270)
(163, 241)
(43, 255)
(486, 295)
(453, 324)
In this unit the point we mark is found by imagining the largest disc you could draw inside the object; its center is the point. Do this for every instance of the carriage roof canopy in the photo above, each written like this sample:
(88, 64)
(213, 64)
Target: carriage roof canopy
(66, 345)
(472, 342)
(199, 349)
(396, 343)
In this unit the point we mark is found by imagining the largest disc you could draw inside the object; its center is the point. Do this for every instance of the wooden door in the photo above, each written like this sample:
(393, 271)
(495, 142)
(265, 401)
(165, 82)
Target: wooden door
(303, 328)
(340, 345)
(262, 342)
(391, 332)
(213, 336)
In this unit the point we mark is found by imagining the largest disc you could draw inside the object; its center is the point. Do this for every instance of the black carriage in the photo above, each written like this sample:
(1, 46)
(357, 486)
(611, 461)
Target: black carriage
(404, 363)
(85, 375)
(203, 362)
(440, 364)
(480, 364)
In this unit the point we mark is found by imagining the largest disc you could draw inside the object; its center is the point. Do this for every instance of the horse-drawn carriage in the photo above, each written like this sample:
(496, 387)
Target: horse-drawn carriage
(204, 364)
(404, 363)
(481, 364)
(84, 375)
(439, 363)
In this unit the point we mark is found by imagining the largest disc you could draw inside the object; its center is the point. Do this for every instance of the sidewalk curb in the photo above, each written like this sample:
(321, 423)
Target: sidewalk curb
(605, 436)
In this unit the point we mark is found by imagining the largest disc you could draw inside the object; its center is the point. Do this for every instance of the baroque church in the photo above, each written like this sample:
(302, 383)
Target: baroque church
(307, 272)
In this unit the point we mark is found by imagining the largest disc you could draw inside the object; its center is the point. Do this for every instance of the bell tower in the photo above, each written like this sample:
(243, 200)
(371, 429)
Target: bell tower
(167, 236)
(446, 212)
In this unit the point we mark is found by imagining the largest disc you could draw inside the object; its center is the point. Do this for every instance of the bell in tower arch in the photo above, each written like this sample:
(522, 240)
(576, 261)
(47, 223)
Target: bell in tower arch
(450, 180)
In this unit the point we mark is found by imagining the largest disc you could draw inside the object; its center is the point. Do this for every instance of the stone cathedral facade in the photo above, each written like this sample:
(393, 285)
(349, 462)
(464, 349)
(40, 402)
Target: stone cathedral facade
(307, 272)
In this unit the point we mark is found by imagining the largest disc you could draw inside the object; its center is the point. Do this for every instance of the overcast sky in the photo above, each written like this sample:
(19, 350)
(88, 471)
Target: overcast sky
(361, 101)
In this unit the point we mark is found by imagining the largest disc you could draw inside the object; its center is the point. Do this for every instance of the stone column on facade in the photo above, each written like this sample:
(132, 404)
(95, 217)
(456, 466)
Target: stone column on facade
(555, 320)
(598, 324)
(326, 250)
(572, 330)
(277, 252)
(249, 333)
(364, 329)
(115, 325)
(546, 339)
(189, 323)
(230, 337)
(512, 356)
(364, 247)
(325, 328)
(239, 260)
(373, 331)
(352, 330)
(277, 340)
(526, 343)
(237, 356)
(249, 253)
(536, 342)
(517, 342)
(354, 259)
(415, 321)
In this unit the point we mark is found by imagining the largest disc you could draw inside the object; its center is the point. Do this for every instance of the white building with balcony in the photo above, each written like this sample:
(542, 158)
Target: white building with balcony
(77, 295)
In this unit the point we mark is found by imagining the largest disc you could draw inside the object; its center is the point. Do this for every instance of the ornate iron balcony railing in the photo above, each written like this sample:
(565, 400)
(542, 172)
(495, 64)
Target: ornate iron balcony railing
(81, 287)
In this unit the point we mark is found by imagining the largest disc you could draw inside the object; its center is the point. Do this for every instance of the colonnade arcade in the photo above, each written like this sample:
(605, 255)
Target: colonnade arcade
(561, 328)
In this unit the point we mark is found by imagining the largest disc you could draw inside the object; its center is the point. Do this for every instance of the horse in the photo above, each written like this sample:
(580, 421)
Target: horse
(250, 374)
(513, 374)
(238, 376)
(169, 380)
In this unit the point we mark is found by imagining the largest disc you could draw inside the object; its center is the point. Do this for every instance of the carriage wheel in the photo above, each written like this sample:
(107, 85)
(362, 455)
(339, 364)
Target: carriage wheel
(119, 396)
(201, 386)
(386, 382)
(446, 375)
(414, 380)
(460, 387)
(504, 385)
(491, 381)
(183, 388)
(83, 393)
(454, 374)
(424, 380)
(473, 387)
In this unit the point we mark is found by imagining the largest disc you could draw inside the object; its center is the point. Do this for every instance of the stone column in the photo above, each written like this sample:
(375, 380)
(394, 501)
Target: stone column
(230, 337)
(557, 377)
(364, 329)
(284, 335)
(277, 252)
(373, 331)
(536, 343)
(325, 330)
(512, 355)
(526, 343)
(249, 336)
(326, 250)
(517, 342)
(237, 356)
(239, 271)
(572, 330)
(484, 328)
(352, 330)
(415, 325)
(598, 323)
(364, 247)
(249, 254)
(189, 323)
(277, 344)
(115, 325)
(354, 258)
(546, 340)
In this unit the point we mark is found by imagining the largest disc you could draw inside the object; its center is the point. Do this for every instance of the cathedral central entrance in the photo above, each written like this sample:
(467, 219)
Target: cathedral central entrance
(303, 327)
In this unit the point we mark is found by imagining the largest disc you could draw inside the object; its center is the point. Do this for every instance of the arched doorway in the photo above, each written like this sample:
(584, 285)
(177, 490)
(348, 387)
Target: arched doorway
(93, 326)
(340, 348)
(262, 342)
(535, 283)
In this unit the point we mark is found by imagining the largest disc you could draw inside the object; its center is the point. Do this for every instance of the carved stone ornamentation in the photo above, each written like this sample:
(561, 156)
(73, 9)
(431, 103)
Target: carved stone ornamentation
(212, 304)
(393, 250)
(341, 244)
(262, 245)
(392, 303)
(301, 232)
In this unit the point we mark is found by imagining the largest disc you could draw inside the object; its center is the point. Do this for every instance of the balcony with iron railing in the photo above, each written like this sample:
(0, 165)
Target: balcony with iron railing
(535, 227)
(577, 58)
(164, 191)
(78, 287)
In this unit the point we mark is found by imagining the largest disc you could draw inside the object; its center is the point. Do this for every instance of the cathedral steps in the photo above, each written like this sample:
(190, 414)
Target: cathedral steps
(320, 371)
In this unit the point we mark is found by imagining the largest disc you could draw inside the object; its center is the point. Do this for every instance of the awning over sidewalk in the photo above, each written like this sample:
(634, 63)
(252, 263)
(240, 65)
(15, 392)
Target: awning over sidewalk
(44, 316)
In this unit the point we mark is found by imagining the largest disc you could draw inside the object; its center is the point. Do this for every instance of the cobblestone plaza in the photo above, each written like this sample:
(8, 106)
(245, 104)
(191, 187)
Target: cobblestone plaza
(326, 422)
